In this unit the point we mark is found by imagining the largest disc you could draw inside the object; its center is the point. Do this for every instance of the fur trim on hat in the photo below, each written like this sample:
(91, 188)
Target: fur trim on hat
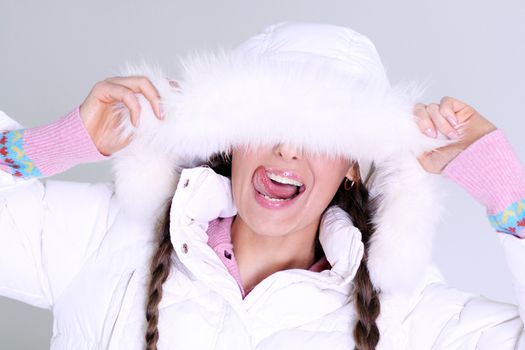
(319, 87)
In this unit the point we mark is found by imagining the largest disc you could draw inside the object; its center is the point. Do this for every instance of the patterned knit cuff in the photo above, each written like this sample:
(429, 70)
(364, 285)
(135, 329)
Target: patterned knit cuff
(48, 149)
(511, 220)
(491, 172)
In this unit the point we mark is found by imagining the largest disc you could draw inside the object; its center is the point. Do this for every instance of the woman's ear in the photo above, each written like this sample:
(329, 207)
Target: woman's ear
(352, 173)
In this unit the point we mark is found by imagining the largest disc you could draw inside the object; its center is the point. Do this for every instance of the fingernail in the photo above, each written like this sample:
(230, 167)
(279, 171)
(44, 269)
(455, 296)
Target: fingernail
(453, 134)
(430, 132)
(452, 120)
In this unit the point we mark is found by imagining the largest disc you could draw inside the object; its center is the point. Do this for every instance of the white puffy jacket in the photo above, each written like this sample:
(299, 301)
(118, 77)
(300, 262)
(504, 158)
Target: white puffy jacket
(67, 246)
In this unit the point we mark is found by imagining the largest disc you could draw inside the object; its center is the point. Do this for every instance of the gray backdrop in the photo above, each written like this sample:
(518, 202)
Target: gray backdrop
(52, 52)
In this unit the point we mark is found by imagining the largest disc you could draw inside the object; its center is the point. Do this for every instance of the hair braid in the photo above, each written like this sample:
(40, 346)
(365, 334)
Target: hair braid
(160, 270)
(366, 298)
(161, 261)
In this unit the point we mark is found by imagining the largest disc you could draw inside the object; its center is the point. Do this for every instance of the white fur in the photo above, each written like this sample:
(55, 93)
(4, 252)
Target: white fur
(326, 104)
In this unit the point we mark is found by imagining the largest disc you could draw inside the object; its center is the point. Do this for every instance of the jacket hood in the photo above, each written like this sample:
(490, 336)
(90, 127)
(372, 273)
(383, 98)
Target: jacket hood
(326, 89)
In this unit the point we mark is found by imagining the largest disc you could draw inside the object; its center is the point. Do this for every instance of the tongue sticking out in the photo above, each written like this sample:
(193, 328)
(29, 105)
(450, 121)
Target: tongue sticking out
(266, 186)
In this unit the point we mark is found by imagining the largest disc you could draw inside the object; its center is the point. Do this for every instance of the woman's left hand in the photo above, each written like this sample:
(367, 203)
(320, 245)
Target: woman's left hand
(456, 120)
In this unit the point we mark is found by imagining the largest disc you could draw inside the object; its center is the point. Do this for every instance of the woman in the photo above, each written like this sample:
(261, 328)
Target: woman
(302, 216)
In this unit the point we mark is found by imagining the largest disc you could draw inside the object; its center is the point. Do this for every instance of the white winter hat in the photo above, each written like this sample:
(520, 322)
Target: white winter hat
(318, 86)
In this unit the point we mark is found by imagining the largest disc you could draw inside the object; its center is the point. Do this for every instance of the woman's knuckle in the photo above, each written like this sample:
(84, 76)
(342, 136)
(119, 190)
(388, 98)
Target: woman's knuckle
(420, 111)
(432, 106)
(446, 99)
(143, 80)
(101, 85)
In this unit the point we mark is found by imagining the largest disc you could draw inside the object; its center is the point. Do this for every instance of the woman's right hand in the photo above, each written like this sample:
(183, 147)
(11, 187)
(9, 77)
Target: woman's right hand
(98, 114)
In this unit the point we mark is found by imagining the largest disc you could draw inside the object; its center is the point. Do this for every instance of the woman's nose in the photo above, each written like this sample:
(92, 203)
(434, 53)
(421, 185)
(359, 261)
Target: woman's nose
(287, 151)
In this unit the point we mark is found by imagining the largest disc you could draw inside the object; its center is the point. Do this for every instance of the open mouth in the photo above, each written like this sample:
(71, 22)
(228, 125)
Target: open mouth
(275, 187)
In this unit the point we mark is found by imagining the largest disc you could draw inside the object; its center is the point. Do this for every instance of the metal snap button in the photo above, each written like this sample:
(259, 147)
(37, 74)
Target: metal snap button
(184, 248)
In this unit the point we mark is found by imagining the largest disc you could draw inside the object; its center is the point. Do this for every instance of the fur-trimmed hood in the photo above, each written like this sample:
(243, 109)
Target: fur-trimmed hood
(318, 86)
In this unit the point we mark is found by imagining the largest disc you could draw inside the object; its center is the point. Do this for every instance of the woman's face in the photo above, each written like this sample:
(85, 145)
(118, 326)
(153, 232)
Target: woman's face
(264, 204)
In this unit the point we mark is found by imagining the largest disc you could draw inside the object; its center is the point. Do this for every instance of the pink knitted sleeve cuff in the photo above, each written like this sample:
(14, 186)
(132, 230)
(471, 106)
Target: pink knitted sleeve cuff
(492, 173)
(48, 149)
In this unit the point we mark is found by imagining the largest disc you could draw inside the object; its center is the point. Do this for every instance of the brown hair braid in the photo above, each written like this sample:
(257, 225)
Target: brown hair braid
(160, 265)
(366, 298)
(160, 269)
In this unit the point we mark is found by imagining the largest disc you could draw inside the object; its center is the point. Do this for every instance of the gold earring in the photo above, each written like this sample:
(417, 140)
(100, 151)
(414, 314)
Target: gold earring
(346, 184)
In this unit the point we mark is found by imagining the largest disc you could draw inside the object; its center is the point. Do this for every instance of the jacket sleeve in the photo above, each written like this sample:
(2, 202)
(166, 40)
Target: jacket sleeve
(48, 227)
(447, 318)
(443, 317)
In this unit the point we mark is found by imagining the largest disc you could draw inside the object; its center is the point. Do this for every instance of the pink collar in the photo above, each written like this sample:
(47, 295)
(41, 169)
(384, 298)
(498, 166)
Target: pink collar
(219, 239)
